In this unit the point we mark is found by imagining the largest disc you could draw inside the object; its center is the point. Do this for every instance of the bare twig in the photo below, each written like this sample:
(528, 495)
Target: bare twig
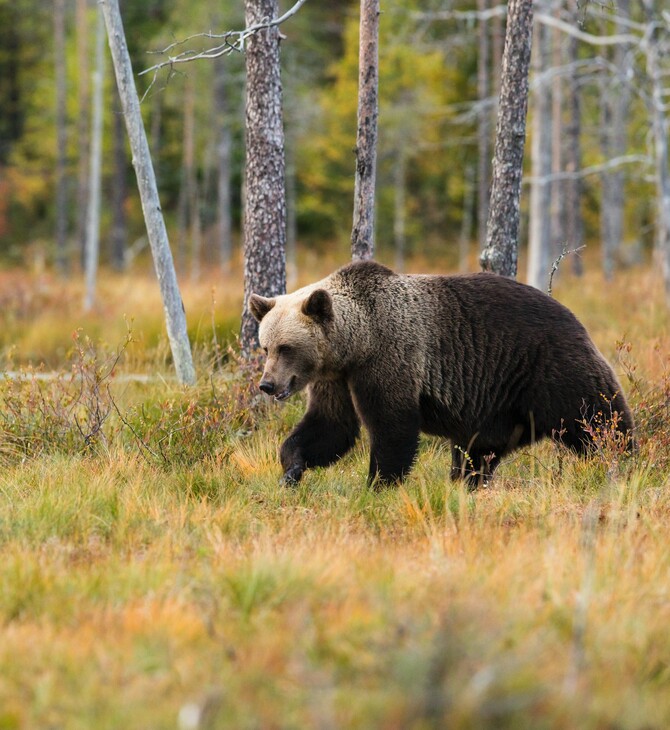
(556, 264)
(232, 40)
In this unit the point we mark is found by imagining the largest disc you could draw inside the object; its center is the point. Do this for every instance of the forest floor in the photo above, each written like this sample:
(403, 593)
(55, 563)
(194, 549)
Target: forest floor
(154, 573)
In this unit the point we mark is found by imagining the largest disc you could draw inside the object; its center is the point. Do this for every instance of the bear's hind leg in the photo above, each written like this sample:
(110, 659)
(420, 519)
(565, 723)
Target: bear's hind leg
(326, 432)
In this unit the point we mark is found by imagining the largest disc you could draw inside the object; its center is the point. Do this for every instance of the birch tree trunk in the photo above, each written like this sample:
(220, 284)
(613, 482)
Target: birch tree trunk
(119, 237)
(83, 118)
(558, 187)
(502, 230)
(265, 196)
(574, 221)
(483, 127)
(539, 226)
(61, 137)
(655, 52)
(95, 174)
(175, 316)
(614, 118)
(363, 230)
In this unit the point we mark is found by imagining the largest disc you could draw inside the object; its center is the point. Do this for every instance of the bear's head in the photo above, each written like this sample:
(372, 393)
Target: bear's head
(292, 333)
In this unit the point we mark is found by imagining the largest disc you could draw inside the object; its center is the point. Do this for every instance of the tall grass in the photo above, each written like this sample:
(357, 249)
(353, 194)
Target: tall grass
(155, 575)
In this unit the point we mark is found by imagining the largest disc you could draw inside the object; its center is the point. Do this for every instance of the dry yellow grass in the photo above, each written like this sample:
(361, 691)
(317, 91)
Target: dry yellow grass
(139, 592)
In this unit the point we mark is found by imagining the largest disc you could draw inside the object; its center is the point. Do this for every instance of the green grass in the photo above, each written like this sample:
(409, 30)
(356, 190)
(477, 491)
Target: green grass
(156, 575)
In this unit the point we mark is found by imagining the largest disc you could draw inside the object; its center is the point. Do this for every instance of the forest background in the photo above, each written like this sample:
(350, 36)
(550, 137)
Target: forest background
(439, 71)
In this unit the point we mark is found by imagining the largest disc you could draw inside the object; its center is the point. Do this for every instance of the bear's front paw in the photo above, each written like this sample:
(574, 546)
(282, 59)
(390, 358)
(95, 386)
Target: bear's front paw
(292, 475)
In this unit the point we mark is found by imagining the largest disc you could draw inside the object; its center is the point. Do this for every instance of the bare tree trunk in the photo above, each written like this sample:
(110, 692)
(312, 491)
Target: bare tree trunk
(614, 114)
(363, 230)
(61, 137)
(502, 231)
(224, 165)
(660, 129)
(119, 237)
(574, 230)
(466, 222)
(539, 226)
(265, 198)
(83, 142)
(93, 207)
(483, 130)
(558, 187)
(175, 316)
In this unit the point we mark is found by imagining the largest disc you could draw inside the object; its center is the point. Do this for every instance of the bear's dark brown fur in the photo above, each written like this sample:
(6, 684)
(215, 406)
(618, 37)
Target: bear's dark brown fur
(485, 361)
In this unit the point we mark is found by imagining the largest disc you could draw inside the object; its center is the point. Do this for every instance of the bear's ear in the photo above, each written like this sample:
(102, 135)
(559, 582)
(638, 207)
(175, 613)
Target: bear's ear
(260, 306)
(318, 306)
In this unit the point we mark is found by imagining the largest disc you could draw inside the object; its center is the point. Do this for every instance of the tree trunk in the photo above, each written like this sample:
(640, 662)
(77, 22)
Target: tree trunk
(175, 315)
(614, 117)
(574, 229)
(224, 164)
(502, 230)
(119, 237)
(483, 130)
(265, 197)
(93, 207)
(61, 137)
(539, 226)
(558, 187)
(83, 118)
(363, 230)
(660, 129)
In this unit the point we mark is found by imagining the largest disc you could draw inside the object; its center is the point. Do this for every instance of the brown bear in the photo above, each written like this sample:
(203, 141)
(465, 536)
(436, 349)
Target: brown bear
(485, 361)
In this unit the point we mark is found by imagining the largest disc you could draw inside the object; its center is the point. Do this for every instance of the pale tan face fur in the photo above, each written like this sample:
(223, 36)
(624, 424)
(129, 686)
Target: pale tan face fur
(292, 340)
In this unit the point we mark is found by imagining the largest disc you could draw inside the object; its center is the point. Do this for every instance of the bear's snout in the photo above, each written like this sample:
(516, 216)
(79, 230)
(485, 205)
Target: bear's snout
(267, 386)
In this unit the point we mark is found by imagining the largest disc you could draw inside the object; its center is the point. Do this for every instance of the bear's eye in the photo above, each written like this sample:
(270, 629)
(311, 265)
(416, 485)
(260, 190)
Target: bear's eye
(283, 349)
(265, 350)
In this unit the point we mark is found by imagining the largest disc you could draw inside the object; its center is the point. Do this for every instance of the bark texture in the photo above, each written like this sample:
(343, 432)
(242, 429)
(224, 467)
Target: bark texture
(265, 195)
(502, 230)
(175, 316)
(363, 230)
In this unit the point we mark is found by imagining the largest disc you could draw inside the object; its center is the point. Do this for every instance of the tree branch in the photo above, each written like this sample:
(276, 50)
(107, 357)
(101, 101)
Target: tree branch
(223, 49)
(591, 170)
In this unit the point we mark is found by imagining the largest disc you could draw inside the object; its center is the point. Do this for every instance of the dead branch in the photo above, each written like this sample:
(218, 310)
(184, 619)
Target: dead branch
(232, 40)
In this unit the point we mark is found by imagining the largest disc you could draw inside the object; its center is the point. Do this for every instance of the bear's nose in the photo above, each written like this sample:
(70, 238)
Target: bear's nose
(267, 386)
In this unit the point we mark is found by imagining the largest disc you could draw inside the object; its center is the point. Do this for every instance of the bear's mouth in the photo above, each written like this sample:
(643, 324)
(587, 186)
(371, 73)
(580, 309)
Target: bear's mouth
(288, 390)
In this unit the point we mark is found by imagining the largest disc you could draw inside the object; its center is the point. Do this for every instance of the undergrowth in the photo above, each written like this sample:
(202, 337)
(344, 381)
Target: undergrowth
(154, 573)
